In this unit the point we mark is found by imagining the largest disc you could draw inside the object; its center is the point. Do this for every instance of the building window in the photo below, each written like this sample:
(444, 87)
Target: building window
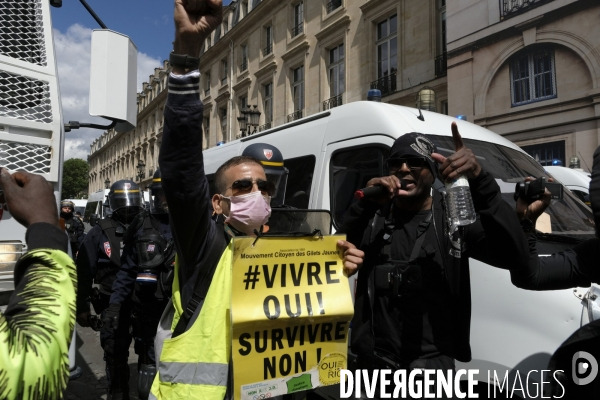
(244, 8)
(207, 83)
(244, 65)
(268, 40)
(333, 5)
(243, 103)
(441, 59)
(267, 107)
(298, 27)
(206, 131)
(298, 88)
(387, 55)
(225, 26)
(297, 93)
(337, 71)
(224, 71)
(514, 7)
(223, 117)
(546, 153)
(532, 76)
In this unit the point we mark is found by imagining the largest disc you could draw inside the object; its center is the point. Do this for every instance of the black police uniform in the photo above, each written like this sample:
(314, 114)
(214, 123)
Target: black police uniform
(99, 259)
(142, 289)
(74, 228)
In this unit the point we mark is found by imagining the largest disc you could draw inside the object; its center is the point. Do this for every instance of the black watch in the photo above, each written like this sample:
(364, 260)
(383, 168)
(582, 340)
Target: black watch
(184, 61)
(527, 225)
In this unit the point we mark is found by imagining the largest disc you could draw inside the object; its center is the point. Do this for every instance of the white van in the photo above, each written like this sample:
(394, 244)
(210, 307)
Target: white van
(331, 154)
(576, 180)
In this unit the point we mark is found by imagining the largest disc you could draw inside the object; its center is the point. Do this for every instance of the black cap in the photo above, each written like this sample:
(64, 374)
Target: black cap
(268, 155)
(415, 145)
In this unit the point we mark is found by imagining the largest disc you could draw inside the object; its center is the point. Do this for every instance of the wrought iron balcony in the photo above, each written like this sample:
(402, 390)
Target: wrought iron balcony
(387, 84)
(298, 29)
(244, 65)
(294, 116)
(333, 4)
(268, 50)
(265, 127)
(441, 65)
(508, 8)
(332, 102)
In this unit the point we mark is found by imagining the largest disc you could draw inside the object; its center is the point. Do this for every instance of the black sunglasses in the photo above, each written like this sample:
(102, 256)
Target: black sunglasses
(245, 186)
(413, 163)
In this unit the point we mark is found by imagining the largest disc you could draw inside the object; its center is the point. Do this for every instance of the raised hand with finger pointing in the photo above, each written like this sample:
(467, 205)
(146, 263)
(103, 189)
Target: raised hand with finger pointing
(455, 170)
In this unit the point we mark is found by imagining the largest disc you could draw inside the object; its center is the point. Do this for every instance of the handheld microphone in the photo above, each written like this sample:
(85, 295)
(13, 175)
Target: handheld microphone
(370, 192)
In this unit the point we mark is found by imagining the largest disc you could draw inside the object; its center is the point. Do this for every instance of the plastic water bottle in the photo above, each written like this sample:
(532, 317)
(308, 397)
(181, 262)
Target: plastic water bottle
(460, 203)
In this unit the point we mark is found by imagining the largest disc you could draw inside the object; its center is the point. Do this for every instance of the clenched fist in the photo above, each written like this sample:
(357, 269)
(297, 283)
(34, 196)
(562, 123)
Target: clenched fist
(194, 21)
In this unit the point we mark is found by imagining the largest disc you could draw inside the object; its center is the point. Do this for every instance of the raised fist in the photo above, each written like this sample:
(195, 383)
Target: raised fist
(194, 21)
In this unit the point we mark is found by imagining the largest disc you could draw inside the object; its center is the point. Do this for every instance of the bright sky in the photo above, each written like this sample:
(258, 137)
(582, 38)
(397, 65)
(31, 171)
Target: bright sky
(149, 23)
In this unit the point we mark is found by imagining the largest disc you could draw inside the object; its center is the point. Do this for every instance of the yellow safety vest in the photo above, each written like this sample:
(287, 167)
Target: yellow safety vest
(195, 364)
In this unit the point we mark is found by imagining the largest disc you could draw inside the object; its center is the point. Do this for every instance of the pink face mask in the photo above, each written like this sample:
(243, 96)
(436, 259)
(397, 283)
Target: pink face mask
(248, 212)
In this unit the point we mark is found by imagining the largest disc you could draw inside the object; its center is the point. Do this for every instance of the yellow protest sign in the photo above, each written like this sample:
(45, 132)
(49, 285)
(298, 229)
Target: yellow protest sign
(290, 309)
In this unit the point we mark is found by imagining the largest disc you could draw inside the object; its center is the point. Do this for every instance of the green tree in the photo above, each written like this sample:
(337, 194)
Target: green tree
(75, 179)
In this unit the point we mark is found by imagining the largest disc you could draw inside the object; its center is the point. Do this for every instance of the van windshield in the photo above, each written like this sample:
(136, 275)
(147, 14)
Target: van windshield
(569, 218)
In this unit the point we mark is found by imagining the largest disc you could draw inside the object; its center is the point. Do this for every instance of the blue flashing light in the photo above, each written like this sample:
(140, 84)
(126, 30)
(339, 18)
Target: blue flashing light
(374, 95)
(462, 117)
(557, 162)
(220, 143)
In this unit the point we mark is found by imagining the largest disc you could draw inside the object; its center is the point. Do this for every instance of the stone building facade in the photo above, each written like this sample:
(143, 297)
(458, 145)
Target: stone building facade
(530, 71)
(290, 59)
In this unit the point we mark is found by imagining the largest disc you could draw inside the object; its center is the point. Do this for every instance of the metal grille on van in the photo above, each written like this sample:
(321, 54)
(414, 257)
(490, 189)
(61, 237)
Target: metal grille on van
(24, 98)
(22, 30)
(25, 157)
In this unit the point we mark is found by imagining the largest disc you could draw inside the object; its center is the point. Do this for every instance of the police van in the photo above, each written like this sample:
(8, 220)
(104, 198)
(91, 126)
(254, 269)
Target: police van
(331, 154)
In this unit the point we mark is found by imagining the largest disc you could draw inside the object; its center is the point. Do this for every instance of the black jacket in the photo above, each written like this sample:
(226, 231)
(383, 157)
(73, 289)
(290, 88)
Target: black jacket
(98, 261)
(496, 238)
(185, 184)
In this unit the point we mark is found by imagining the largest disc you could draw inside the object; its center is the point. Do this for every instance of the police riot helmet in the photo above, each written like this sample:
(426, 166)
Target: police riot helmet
(158, 201)
(272, 161)
(67, 203)
(125, 200)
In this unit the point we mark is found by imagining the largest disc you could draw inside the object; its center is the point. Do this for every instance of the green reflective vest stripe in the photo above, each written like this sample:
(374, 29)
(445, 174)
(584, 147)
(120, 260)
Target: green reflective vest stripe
(195, 364)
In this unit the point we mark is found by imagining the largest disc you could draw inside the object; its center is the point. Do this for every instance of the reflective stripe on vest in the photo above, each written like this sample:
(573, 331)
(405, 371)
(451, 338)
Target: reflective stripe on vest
(194, 374)
(195, 364)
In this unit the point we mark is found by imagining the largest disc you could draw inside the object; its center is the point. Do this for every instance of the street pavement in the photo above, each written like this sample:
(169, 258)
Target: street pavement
(92, 384)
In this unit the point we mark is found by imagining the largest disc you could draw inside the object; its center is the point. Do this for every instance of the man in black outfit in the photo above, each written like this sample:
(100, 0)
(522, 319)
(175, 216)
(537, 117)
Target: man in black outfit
(575, 267)
(422, 319)
(98, 262)
(73, 225)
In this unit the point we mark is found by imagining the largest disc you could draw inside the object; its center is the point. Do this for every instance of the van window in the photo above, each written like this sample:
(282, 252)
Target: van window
(90, 208)
(569, 219)
(299, 182)
(351, 169)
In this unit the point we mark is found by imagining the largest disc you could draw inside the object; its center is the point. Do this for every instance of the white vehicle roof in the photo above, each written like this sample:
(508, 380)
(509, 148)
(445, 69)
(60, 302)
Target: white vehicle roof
(358, 119)
(571, 178)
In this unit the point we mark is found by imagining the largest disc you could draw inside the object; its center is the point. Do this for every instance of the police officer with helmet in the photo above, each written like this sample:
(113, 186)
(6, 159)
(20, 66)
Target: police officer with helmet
(98, 262)
(143, 283)
(73, 225)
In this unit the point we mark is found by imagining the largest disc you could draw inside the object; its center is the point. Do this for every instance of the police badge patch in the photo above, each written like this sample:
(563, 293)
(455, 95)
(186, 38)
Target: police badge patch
(107, 249)
(268, 153)
(150, 248)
